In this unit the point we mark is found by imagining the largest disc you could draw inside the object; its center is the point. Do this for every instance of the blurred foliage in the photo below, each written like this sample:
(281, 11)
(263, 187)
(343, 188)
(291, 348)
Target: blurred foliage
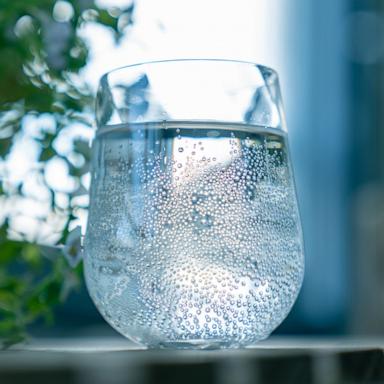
(42, 53)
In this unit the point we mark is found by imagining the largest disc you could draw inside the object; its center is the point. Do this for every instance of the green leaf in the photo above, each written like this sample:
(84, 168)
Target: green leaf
(12, 336)
(31, 254)
(83, 147)
(10, 332)
(9, 250)
(47, 154)
(12, 284)
(106, 19)
(8, 300)
(5, 145)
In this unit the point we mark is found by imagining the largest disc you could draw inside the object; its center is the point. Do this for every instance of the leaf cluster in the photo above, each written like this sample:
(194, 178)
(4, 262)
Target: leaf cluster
(42, 55)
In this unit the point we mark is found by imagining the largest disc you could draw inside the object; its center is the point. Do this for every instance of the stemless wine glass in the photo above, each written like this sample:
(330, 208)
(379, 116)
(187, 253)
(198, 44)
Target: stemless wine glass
(193, 237)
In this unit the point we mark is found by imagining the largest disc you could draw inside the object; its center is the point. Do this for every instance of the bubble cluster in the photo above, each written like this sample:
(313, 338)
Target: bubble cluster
(193, 236)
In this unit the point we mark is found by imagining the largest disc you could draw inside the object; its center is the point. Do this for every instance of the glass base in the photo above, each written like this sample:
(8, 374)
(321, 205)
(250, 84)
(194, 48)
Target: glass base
(194, 344)
(201, 344)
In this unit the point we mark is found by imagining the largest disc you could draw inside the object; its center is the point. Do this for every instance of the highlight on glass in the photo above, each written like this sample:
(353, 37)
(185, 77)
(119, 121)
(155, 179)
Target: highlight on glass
(193, 237)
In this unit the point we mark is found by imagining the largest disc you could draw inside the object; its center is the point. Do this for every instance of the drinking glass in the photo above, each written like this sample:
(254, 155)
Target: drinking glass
(193, 237)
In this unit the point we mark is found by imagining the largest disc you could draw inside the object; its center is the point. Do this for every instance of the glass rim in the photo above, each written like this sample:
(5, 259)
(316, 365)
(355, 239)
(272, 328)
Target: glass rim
(261, 78)
(190, 60)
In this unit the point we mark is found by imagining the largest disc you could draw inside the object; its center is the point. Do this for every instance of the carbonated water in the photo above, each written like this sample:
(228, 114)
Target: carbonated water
(193, 236)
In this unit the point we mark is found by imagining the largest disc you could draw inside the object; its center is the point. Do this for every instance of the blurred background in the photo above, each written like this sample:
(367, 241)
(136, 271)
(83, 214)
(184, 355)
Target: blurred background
(330, 58)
